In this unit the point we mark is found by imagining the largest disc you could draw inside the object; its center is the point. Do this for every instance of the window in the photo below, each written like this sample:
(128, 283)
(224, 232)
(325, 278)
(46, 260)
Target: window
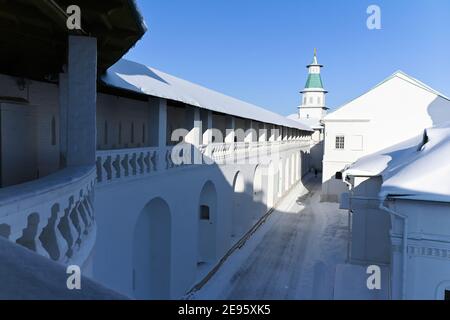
(204, 213)
(132, 132)
(447, 295)
(340, 142)
(311, 100)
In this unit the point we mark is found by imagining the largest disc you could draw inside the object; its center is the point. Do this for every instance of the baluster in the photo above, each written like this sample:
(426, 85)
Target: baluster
(106, 168)
(52, 238)
(84, 218)
(147, 162)
(98, 164)
(125, 165)
(140, 162)
(117, 167)
(30, 235)
(133, 164)
(68, 230)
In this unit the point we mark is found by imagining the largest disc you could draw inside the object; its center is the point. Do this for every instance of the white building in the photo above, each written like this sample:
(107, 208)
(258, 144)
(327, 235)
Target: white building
(313, 109)
(92, 173)
(399, 203)
(396, 109)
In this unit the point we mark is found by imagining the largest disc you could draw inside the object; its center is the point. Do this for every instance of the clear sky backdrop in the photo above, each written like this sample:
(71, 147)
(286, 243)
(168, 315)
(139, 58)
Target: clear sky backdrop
(257, 50)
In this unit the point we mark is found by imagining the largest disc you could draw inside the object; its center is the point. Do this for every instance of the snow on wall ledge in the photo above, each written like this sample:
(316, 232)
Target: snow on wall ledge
(417, 169)
(139, 78)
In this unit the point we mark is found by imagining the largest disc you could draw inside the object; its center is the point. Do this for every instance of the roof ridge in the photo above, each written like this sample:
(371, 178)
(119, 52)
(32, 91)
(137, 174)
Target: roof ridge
(409, 79)
(419, 83)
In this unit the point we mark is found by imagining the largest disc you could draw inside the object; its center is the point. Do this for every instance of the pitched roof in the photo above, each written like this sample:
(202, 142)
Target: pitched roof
(353, 110)
(312, 122)
(139, 78)
(314, 81)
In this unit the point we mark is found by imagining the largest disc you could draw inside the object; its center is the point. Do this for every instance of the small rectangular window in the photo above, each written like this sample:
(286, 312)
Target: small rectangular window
(204, 213)
(447, 295)
(340, 142)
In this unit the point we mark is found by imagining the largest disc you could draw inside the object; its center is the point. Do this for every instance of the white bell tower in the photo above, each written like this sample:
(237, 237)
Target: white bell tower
(313, 96)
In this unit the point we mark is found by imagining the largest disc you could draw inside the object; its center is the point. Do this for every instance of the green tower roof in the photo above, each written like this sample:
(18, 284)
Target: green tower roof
(314, 81)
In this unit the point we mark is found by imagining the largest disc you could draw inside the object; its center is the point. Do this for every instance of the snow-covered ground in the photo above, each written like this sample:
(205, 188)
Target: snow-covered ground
(292, 256)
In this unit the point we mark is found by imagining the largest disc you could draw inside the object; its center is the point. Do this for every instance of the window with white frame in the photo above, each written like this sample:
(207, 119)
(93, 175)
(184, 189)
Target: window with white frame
(340, 142)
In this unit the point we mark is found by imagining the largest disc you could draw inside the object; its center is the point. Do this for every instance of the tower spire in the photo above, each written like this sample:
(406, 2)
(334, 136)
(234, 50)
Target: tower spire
(313, 99)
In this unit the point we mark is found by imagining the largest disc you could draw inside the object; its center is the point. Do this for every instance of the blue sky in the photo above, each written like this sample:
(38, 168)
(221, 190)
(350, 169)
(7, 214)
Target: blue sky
(257, 50)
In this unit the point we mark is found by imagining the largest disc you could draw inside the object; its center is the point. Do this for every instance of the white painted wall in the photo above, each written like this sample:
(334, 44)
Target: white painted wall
(377, 238)
(393, 112)
(428, 272)
(118, 207)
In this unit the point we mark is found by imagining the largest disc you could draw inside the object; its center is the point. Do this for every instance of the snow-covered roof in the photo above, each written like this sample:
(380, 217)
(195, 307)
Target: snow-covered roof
(139, 78)
(359, 108)
(417, 169)
(312, 122)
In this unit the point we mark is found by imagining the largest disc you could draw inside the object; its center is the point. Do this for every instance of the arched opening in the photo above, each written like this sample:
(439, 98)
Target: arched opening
(152, 252)
(207, 225)
(258, 193)
(238, 202)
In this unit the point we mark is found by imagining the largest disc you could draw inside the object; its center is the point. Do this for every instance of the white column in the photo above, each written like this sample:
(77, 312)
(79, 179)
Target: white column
(194, 122)
(158, 129)
(251, 133)
(262, 133)
(80, 110)
(207, 136)
(272, 133)
(279, 136)
(231, 127)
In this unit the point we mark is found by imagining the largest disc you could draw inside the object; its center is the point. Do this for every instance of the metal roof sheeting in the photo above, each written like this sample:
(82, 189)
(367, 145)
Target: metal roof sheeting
(139, 78)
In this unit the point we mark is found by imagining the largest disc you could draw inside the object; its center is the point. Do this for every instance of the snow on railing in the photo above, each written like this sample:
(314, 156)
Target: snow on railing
(53, 216)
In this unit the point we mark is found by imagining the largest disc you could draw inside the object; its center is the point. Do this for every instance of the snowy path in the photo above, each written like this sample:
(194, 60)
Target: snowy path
(292, 256)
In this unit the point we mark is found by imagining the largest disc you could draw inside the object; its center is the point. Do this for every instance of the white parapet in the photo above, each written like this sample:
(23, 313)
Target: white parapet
(53, 216)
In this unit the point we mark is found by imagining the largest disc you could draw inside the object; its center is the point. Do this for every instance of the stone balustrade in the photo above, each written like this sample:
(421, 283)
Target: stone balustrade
(125, 163)
(116, 165)
(53, 216)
